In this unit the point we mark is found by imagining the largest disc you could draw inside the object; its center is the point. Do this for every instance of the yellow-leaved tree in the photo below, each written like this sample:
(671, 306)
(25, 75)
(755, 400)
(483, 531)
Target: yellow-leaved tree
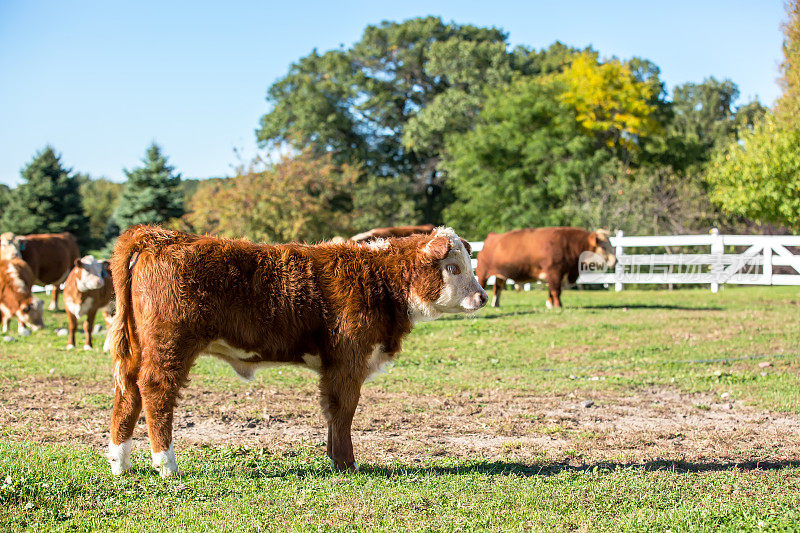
(610, 103)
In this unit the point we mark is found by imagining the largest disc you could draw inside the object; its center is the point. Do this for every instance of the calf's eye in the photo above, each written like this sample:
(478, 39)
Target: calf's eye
(453, 269)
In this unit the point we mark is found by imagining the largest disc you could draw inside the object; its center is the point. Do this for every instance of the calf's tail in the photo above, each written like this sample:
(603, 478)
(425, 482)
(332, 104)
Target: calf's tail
(122, 335)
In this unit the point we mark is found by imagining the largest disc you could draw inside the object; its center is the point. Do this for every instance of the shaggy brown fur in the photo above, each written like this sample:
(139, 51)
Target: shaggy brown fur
(50, 256)
(89, 302)
(178, 293)
(394, 231)
(542, 254)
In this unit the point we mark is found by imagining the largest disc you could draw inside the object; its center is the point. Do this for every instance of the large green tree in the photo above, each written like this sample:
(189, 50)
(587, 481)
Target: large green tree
(386, 102)
(152, 194)
(520, 163)
(758, 176)
(47, 201)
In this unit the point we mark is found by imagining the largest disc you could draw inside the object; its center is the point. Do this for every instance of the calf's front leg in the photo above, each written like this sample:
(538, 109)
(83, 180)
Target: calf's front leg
(72, 325)
(87, 329)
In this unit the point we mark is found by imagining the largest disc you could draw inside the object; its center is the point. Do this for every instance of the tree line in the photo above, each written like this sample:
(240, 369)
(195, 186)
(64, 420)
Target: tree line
(427, 121)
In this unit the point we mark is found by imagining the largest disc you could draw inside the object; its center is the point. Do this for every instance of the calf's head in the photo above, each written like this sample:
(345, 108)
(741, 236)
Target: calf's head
(600, 243)
(91, 273)
(15, 294)
(443, 281)
(30, 313)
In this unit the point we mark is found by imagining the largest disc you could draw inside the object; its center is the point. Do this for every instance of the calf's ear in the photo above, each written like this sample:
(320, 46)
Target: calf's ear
(78, 263)
(593, 240)
(437, 248)
(466, 246)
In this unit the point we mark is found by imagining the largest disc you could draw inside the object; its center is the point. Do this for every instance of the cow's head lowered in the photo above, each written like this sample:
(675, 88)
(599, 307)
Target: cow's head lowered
(91, 273)
(600, 243)
(443, 281)
(16, 298)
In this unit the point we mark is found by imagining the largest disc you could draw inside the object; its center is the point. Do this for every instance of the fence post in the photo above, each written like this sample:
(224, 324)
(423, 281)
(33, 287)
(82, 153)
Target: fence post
(717, 249)
(619, 269)
(767, 264)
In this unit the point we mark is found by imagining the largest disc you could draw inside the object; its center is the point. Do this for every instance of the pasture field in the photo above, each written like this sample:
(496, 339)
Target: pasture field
(633, 411)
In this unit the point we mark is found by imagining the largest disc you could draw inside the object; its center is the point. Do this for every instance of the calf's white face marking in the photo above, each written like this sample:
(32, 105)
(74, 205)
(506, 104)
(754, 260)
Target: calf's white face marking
(460, 291)
(90, 275)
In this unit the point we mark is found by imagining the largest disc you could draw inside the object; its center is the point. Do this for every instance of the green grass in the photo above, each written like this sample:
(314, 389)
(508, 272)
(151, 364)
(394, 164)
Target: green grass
(603, 343)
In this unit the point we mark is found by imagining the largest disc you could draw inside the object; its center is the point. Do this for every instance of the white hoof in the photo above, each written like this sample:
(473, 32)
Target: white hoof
(52, 306)
(548, 304)
(333, 465)
(165, 463)
(70, 346)
(495, 301)
(119, 455)
(86, 347)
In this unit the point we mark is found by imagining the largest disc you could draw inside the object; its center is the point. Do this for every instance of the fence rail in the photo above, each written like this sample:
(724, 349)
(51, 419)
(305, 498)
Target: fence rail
(755, 265)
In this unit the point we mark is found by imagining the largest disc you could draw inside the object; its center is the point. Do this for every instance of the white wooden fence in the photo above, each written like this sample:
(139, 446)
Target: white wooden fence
(750, 260)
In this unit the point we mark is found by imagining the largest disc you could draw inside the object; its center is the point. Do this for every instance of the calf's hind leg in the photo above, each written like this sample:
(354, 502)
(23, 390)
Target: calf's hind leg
(499, 285)
(127, 406)
(340, 392)
(160, 381)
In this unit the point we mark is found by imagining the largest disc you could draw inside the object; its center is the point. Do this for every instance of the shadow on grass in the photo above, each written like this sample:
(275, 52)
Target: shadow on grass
(669, 307)
(499, 468)
(492, 314)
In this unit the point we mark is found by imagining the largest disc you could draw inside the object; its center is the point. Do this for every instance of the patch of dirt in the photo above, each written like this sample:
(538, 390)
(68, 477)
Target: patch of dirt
(650, 425)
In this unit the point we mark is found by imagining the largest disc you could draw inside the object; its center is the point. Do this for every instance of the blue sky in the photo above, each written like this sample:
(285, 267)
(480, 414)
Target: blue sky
(100, 80)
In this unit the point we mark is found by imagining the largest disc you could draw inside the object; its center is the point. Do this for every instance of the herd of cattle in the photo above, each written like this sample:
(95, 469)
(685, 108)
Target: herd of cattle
(340, 308)
(52, 259)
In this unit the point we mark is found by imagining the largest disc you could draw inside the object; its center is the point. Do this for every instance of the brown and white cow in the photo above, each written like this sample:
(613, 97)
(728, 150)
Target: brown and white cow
(50, 256)
(341, 310)
(543, 254)
(88, 289)
(393, 231)
(16, 298)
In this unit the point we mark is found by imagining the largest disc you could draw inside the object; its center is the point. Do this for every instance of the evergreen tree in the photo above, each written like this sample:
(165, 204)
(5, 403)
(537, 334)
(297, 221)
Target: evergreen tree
(48, 200)
(152, 194)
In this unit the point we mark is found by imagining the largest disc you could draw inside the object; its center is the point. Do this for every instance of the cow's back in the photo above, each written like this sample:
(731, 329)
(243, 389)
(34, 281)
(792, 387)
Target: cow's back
(524, 254)
(50, 255)
(212, 288)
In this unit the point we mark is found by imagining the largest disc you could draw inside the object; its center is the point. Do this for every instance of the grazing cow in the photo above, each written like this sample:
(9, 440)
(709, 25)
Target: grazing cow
(544, 254)
(394, 231)
(16, 299)
(50, 256)
(88, 289)
(338, 309)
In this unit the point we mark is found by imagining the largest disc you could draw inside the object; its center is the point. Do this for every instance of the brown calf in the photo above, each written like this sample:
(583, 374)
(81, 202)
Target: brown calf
(338, 309)
(88, 289)
(16, 299)
(393, 231)
(50, 256)
(543, 254)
